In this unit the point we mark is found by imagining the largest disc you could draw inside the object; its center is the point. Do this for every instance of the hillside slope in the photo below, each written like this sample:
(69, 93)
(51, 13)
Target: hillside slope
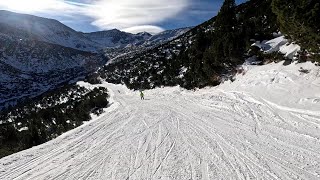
(29, 68)
(253, 128)
(190, 60)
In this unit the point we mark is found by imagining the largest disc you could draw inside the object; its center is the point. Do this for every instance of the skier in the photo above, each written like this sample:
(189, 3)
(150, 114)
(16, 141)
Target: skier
(141, 95)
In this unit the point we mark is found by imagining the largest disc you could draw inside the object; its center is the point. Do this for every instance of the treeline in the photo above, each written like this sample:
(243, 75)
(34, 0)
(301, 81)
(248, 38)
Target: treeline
(48, 116)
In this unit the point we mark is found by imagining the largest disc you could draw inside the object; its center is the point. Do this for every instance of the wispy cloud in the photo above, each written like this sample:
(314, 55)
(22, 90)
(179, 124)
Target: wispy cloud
(132, 15)
(38, 6)
(128, 15)
(144, 28)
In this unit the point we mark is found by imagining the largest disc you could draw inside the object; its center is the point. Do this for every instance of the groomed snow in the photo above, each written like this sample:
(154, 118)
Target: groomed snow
(264, 125)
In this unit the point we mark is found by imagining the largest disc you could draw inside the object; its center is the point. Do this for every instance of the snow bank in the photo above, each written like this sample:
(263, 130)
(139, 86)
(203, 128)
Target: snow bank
(272, 45)
(279, 44)
(286, 85)
(290, 50)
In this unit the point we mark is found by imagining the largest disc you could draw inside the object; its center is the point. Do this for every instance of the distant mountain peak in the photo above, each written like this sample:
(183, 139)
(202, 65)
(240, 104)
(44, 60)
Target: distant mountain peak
(144, 34)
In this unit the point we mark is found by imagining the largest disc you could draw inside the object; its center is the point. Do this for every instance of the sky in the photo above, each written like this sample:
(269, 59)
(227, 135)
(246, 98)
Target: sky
(133, 16)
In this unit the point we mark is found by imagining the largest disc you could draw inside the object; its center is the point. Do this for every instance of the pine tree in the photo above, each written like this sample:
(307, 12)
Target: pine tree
(226, 18)
(228, 46)
(300, 21)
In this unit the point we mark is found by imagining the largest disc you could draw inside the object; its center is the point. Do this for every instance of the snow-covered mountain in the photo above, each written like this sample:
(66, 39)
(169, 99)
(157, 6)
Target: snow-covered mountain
(165, 36)
(43, 29)
(117, 38)
(52, 31)
(139, 42)
(38, 54)
(29, 67)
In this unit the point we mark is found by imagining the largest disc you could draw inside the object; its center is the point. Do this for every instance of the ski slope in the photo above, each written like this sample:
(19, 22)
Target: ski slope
(264, 125)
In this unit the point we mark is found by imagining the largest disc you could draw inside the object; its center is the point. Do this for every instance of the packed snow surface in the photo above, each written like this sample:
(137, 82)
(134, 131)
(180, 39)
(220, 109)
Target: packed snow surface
(264, 125)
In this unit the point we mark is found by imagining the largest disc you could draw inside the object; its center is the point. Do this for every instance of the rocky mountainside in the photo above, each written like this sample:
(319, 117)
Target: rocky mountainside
(29, 67)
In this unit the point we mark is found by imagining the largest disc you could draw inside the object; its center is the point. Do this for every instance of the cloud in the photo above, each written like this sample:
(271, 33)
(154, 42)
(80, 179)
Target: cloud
(128, 15)
(145, 28)
(38, 6)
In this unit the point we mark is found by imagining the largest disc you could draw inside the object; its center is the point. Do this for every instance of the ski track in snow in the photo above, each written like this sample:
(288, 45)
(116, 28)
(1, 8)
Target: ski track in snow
(216, 134)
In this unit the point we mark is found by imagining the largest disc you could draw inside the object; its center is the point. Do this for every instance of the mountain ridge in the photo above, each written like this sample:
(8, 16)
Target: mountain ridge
(45, 29)
(53, 31)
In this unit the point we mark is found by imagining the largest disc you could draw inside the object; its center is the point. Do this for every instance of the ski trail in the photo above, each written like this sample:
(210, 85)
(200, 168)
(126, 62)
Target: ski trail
(156, 151)
(180, 135)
